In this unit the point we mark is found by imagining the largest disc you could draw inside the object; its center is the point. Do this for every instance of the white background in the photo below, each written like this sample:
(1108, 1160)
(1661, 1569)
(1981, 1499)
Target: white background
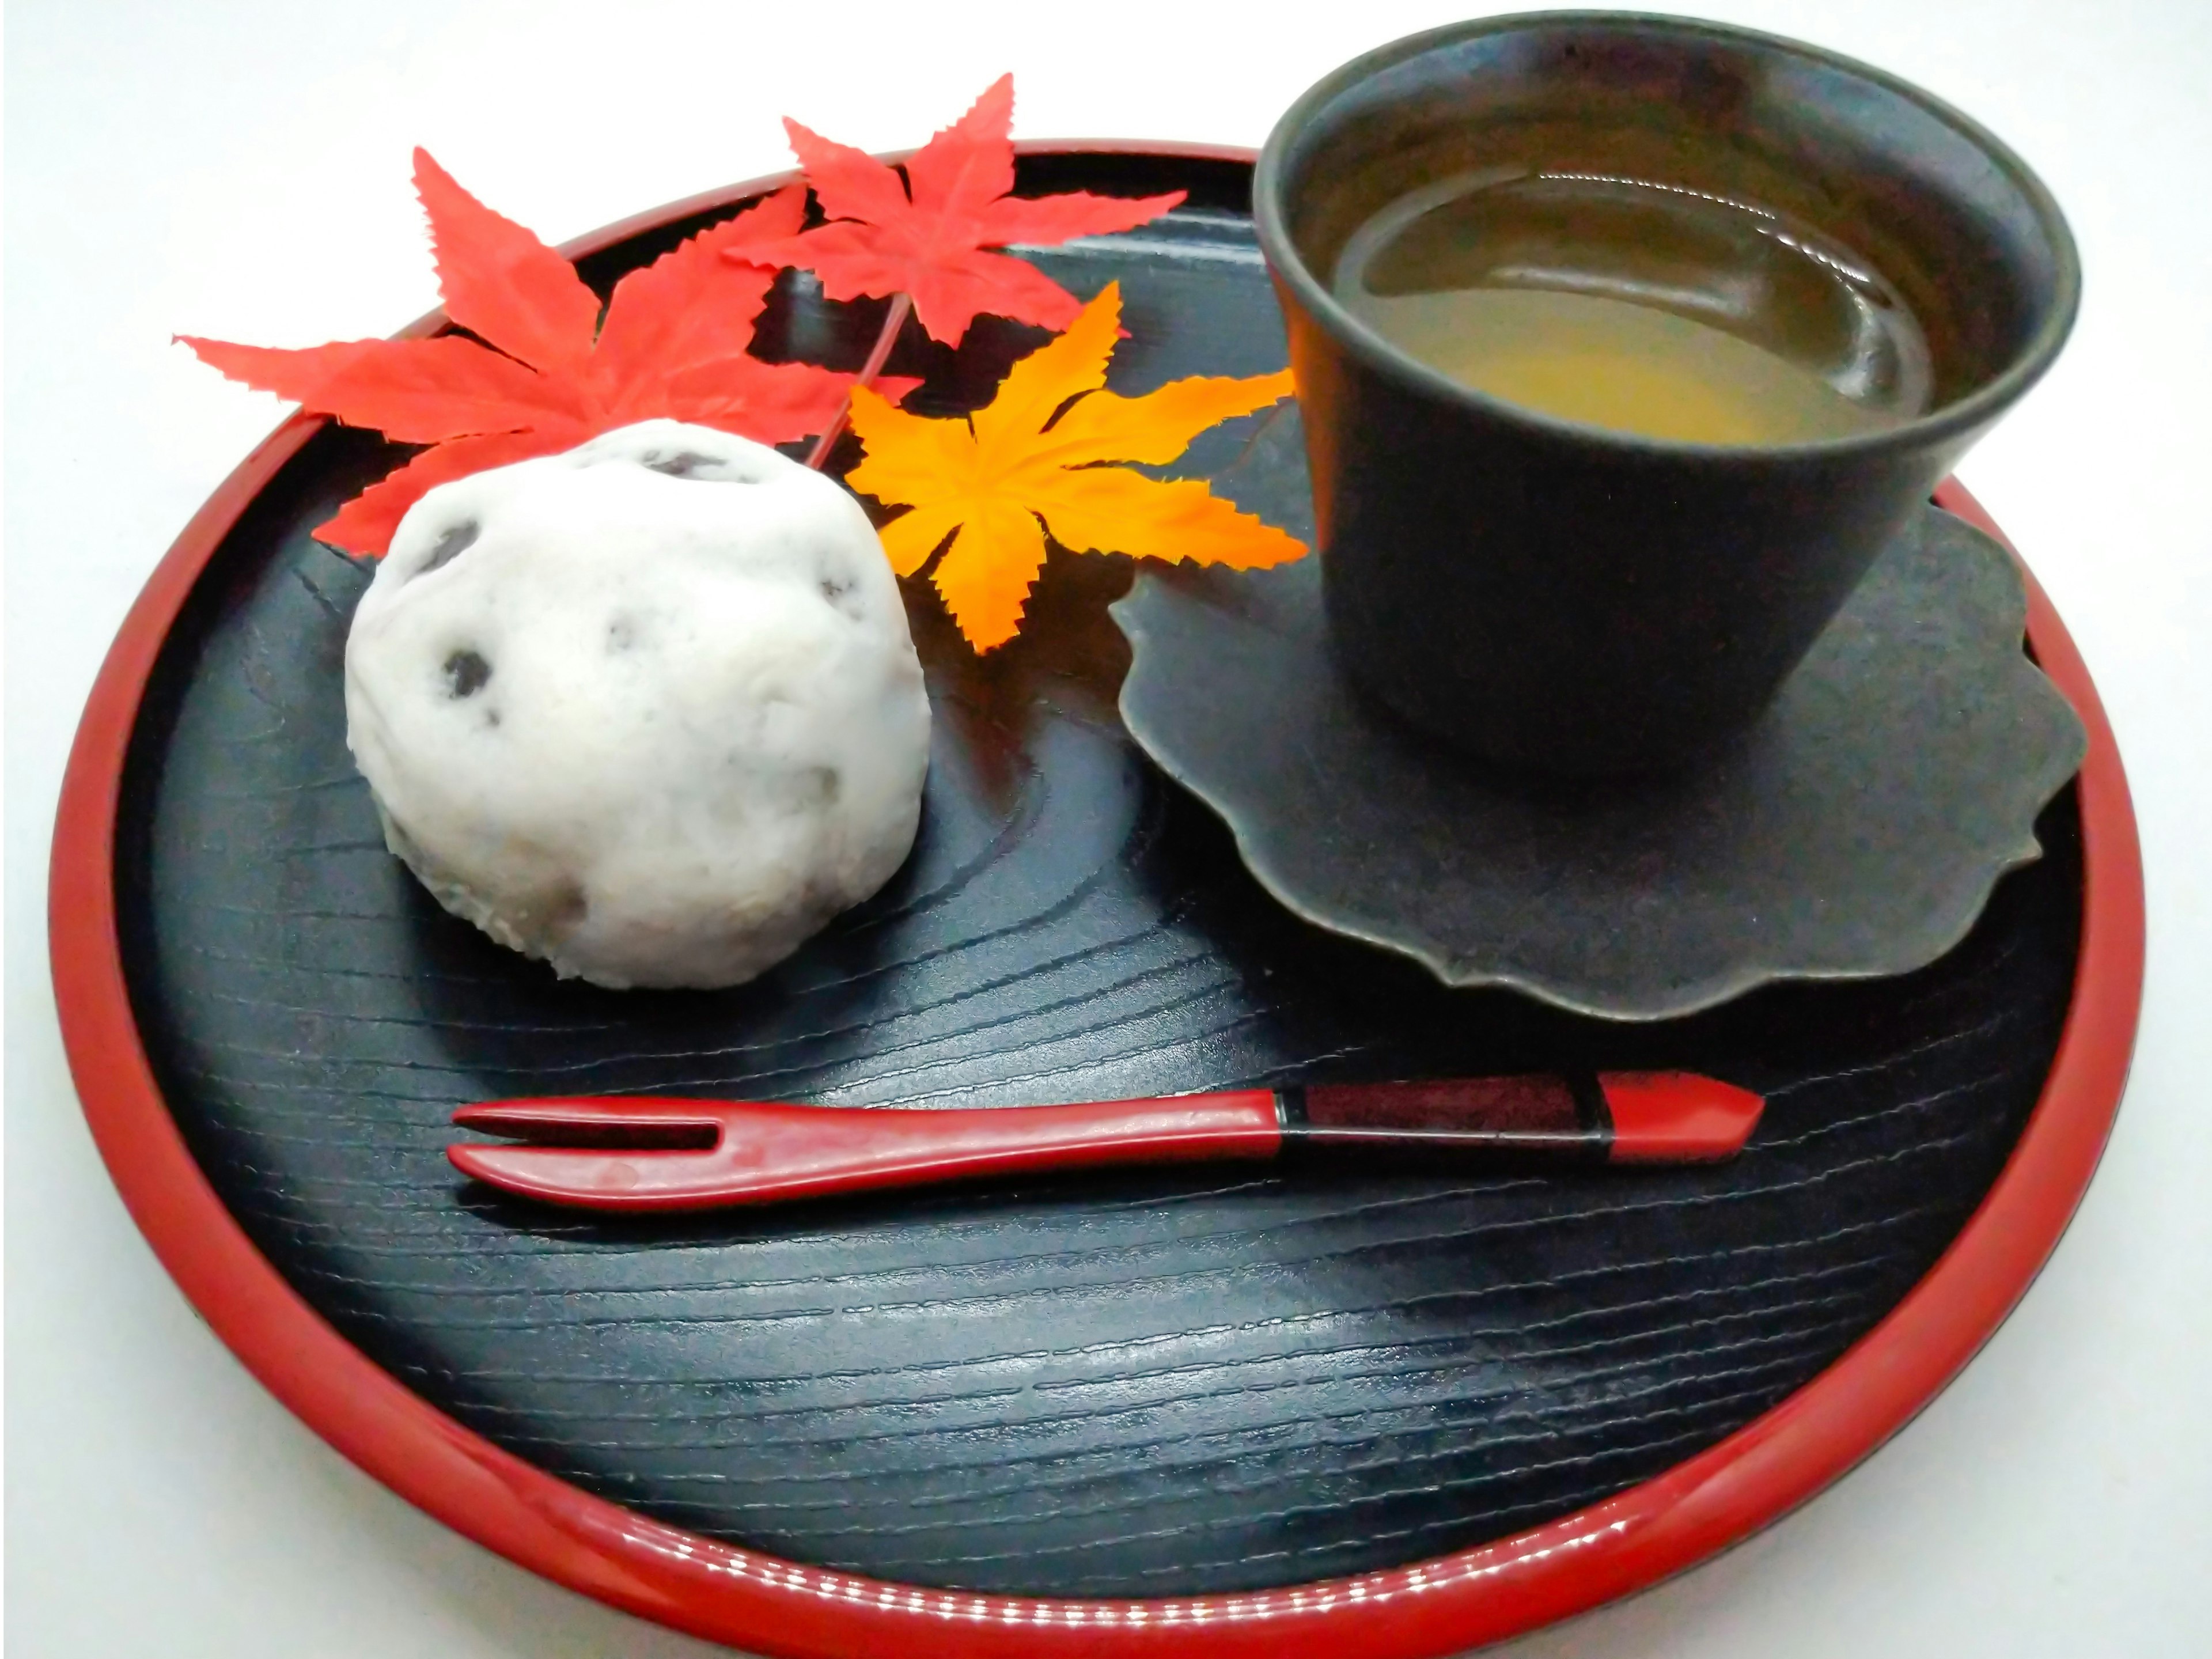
(240, 169)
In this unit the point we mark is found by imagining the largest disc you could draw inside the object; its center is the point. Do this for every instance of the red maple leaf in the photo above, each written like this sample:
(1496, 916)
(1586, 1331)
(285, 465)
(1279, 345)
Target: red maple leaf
(927, 236)
(674, 343)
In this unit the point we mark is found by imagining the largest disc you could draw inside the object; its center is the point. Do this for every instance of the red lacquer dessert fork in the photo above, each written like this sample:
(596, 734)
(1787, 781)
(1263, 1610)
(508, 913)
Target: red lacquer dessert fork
(634, 1153)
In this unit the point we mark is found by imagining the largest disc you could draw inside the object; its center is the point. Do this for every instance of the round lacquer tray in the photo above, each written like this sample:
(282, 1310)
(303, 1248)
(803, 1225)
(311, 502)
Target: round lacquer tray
(1372, 1412)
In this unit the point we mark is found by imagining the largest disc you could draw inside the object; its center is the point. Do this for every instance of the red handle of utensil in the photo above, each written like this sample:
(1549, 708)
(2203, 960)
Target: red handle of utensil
(762, 1152)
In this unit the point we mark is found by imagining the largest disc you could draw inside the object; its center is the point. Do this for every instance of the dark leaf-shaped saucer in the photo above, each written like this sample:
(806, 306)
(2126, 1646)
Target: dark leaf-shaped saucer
(1857, 831)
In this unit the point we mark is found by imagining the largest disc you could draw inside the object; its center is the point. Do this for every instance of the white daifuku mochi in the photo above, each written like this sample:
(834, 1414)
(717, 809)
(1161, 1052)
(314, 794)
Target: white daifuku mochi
(648, 710)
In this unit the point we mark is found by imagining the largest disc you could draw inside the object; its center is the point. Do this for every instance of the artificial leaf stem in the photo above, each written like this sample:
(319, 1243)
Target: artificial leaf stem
(894, 320)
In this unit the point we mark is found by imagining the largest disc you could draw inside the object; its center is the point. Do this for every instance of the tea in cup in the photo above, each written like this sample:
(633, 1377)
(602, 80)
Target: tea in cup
(1625, 345)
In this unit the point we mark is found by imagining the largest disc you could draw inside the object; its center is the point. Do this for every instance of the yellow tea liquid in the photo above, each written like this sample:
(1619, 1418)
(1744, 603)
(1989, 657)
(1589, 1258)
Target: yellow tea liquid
(1640, 307)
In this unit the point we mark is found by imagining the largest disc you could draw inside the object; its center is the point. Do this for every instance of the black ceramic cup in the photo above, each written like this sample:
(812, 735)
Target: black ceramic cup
(1576, 599)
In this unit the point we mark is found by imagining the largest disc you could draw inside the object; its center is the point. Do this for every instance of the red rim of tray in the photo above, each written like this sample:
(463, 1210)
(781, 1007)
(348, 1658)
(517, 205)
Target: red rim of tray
(740, 1596)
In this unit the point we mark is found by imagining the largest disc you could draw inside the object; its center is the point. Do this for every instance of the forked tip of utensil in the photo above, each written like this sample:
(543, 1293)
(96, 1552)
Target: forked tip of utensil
(592, 1177)
(598, 1120)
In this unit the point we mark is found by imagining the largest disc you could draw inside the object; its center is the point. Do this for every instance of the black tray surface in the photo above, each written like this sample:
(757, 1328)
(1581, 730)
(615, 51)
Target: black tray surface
(1151, 1383)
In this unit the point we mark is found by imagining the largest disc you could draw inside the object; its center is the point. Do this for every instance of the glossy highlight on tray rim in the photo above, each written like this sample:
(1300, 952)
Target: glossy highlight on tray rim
(755, 1601)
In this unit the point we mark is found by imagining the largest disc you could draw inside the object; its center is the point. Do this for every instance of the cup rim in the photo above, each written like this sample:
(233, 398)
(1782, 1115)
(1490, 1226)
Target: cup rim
(1960, 417)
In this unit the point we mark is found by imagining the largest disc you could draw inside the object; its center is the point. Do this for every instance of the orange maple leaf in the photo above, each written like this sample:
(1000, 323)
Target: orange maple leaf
(997, 480)
(674, 341)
